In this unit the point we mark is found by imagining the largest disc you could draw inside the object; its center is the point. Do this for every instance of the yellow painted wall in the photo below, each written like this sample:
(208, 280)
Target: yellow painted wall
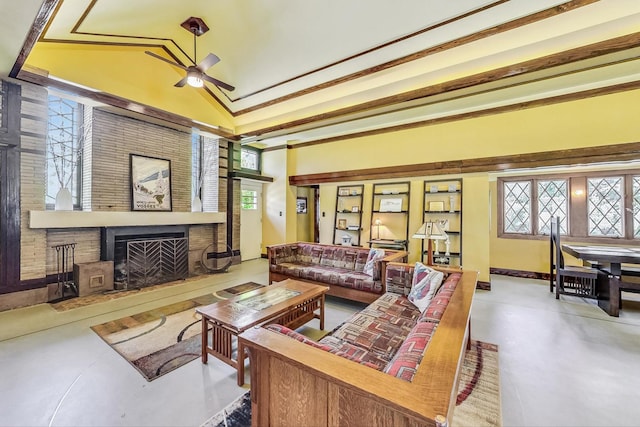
(598, 121)
(141, 83)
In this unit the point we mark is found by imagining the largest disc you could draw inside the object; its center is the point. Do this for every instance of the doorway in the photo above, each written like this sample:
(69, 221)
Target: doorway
(308, 224)
(250, 220)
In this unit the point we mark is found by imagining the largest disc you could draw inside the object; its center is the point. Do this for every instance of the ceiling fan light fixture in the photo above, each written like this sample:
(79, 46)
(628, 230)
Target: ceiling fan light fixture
(194, 79)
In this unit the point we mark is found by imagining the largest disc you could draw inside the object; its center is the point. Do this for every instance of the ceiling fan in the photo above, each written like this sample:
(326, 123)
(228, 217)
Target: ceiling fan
(196, 73)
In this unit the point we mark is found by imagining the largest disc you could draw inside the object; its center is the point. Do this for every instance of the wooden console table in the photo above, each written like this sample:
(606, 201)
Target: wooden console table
(290, 303)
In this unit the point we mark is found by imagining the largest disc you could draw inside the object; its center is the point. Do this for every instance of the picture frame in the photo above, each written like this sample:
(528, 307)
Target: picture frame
(355, 209)
(150, 183)
(390, 205)
(342, 224)
(301, 205)
(343, 192)
(436, 206)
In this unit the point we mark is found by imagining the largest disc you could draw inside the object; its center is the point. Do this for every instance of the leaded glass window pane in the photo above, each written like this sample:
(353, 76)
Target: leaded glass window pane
(605, 206)
(249, 199)
(636, 207)
(517, 207)
(196, 166)
(64, 149)
(249, 159)
(552, 201)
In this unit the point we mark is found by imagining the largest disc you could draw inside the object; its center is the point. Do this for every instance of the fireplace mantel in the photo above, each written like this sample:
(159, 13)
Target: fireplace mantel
(80, 219)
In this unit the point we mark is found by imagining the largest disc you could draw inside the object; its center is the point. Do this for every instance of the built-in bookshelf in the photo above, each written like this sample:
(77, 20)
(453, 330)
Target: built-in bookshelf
(390, 215)
(348, 219)
(443, 206)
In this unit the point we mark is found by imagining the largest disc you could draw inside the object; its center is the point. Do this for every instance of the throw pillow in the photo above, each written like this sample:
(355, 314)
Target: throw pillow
(424, 285)
(374, 256)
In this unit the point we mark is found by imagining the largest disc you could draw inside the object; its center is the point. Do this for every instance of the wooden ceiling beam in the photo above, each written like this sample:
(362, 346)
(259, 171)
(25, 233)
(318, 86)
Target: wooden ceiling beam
(608, 153)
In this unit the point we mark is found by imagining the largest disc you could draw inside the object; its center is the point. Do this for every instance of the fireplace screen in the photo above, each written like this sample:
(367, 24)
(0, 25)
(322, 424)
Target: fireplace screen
(156, 261)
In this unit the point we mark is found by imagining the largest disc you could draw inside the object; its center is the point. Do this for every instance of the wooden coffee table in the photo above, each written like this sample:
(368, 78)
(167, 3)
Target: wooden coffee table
(291, 303)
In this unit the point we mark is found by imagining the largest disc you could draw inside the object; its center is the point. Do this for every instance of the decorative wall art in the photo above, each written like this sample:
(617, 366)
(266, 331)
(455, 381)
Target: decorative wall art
(436, 206)
(150, 183)
(301, 205)
(391, 205)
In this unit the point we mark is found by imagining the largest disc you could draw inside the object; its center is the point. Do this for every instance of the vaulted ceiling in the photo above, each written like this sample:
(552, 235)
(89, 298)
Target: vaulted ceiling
(315, 71)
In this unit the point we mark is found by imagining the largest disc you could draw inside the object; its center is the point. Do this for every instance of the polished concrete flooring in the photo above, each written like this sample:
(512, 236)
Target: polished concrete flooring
(562, 363)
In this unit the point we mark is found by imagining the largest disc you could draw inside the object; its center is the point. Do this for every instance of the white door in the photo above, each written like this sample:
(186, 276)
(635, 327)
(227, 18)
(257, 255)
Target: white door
(250, 220)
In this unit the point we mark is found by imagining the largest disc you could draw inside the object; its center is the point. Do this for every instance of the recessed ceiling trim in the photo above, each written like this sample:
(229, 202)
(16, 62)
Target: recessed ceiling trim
(509, 71)
(526, 20)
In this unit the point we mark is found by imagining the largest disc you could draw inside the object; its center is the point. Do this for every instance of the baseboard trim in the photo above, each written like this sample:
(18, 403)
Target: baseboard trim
(519, 273)
(485, 286)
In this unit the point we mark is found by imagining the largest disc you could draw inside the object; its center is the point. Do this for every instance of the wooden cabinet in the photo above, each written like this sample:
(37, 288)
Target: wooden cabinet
(348, 223)
(390, 215)
(443, 206)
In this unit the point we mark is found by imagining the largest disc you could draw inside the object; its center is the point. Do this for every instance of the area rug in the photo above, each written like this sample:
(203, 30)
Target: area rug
(158, 341)
(478, 401)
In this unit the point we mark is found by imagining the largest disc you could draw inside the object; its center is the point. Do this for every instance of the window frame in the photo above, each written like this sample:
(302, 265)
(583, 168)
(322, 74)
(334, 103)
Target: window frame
(78, 168)
(577, 219)
(258, 153)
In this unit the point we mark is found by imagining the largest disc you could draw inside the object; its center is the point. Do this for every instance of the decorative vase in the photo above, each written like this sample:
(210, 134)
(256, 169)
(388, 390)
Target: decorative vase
(452, 203)
(196, 204)
(64, 200)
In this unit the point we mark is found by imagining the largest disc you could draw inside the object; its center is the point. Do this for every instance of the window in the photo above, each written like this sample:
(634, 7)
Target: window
(63, 150)
(249, 199)
(604, 206)
(205, 161)
(590, 206)
(250, 159)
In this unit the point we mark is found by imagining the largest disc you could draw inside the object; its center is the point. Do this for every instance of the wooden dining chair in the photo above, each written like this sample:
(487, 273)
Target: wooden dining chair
(569, 279)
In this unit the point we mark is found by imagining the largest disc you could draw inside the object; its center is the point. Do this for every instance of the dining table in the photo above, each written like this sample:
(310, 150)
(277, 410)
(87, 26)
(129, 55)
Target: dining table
(609, 260)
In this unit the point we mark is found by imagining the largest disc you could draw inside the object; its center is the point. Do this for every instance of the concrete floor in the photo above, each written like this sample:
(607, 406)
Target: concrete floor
(561, 362)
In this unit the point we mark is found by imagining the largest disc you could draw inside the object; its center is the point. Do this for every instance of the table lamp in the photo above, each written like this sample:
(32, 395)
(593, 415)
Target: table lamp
(377, 222)
(433, 230)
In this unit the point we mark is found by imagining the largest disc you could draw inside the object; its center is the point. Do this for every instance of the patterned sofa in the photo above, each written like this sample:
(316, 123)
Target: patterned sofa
(407, 361)
(340, 267)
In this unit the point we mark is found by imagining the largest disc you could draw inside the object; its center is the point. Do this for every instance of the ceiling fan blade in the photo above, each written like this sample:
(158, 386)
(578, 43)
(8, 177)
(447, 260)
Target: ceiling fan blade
(168, 61)
(181, 82)
(217, 82)
(208, 62)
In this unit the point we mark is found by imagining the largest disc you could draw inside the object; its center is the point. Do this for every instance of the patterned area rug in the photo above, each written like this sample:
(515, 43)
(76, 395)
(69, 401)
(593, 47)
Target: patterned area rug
(158, 341)
(478, 402)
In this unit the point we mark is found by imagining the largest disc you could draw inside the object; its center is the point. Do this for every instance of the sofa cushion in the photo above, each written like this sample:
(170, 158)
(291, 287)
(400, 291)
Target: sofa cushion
(309, 253)
(356, 353)
(398, 278)
(335, 346)
(406, 361)
(373, 257)
(297, 336)
(393, 305)
(394, 309)
(424, 285)
(360, 281)
(371, 334)
(436, 309)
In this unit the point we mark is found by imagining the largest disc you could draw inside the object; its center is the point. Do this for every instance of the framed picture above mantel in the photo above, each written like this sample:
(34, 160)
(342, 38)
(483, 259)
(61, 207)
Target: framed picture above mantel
(150, 183)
